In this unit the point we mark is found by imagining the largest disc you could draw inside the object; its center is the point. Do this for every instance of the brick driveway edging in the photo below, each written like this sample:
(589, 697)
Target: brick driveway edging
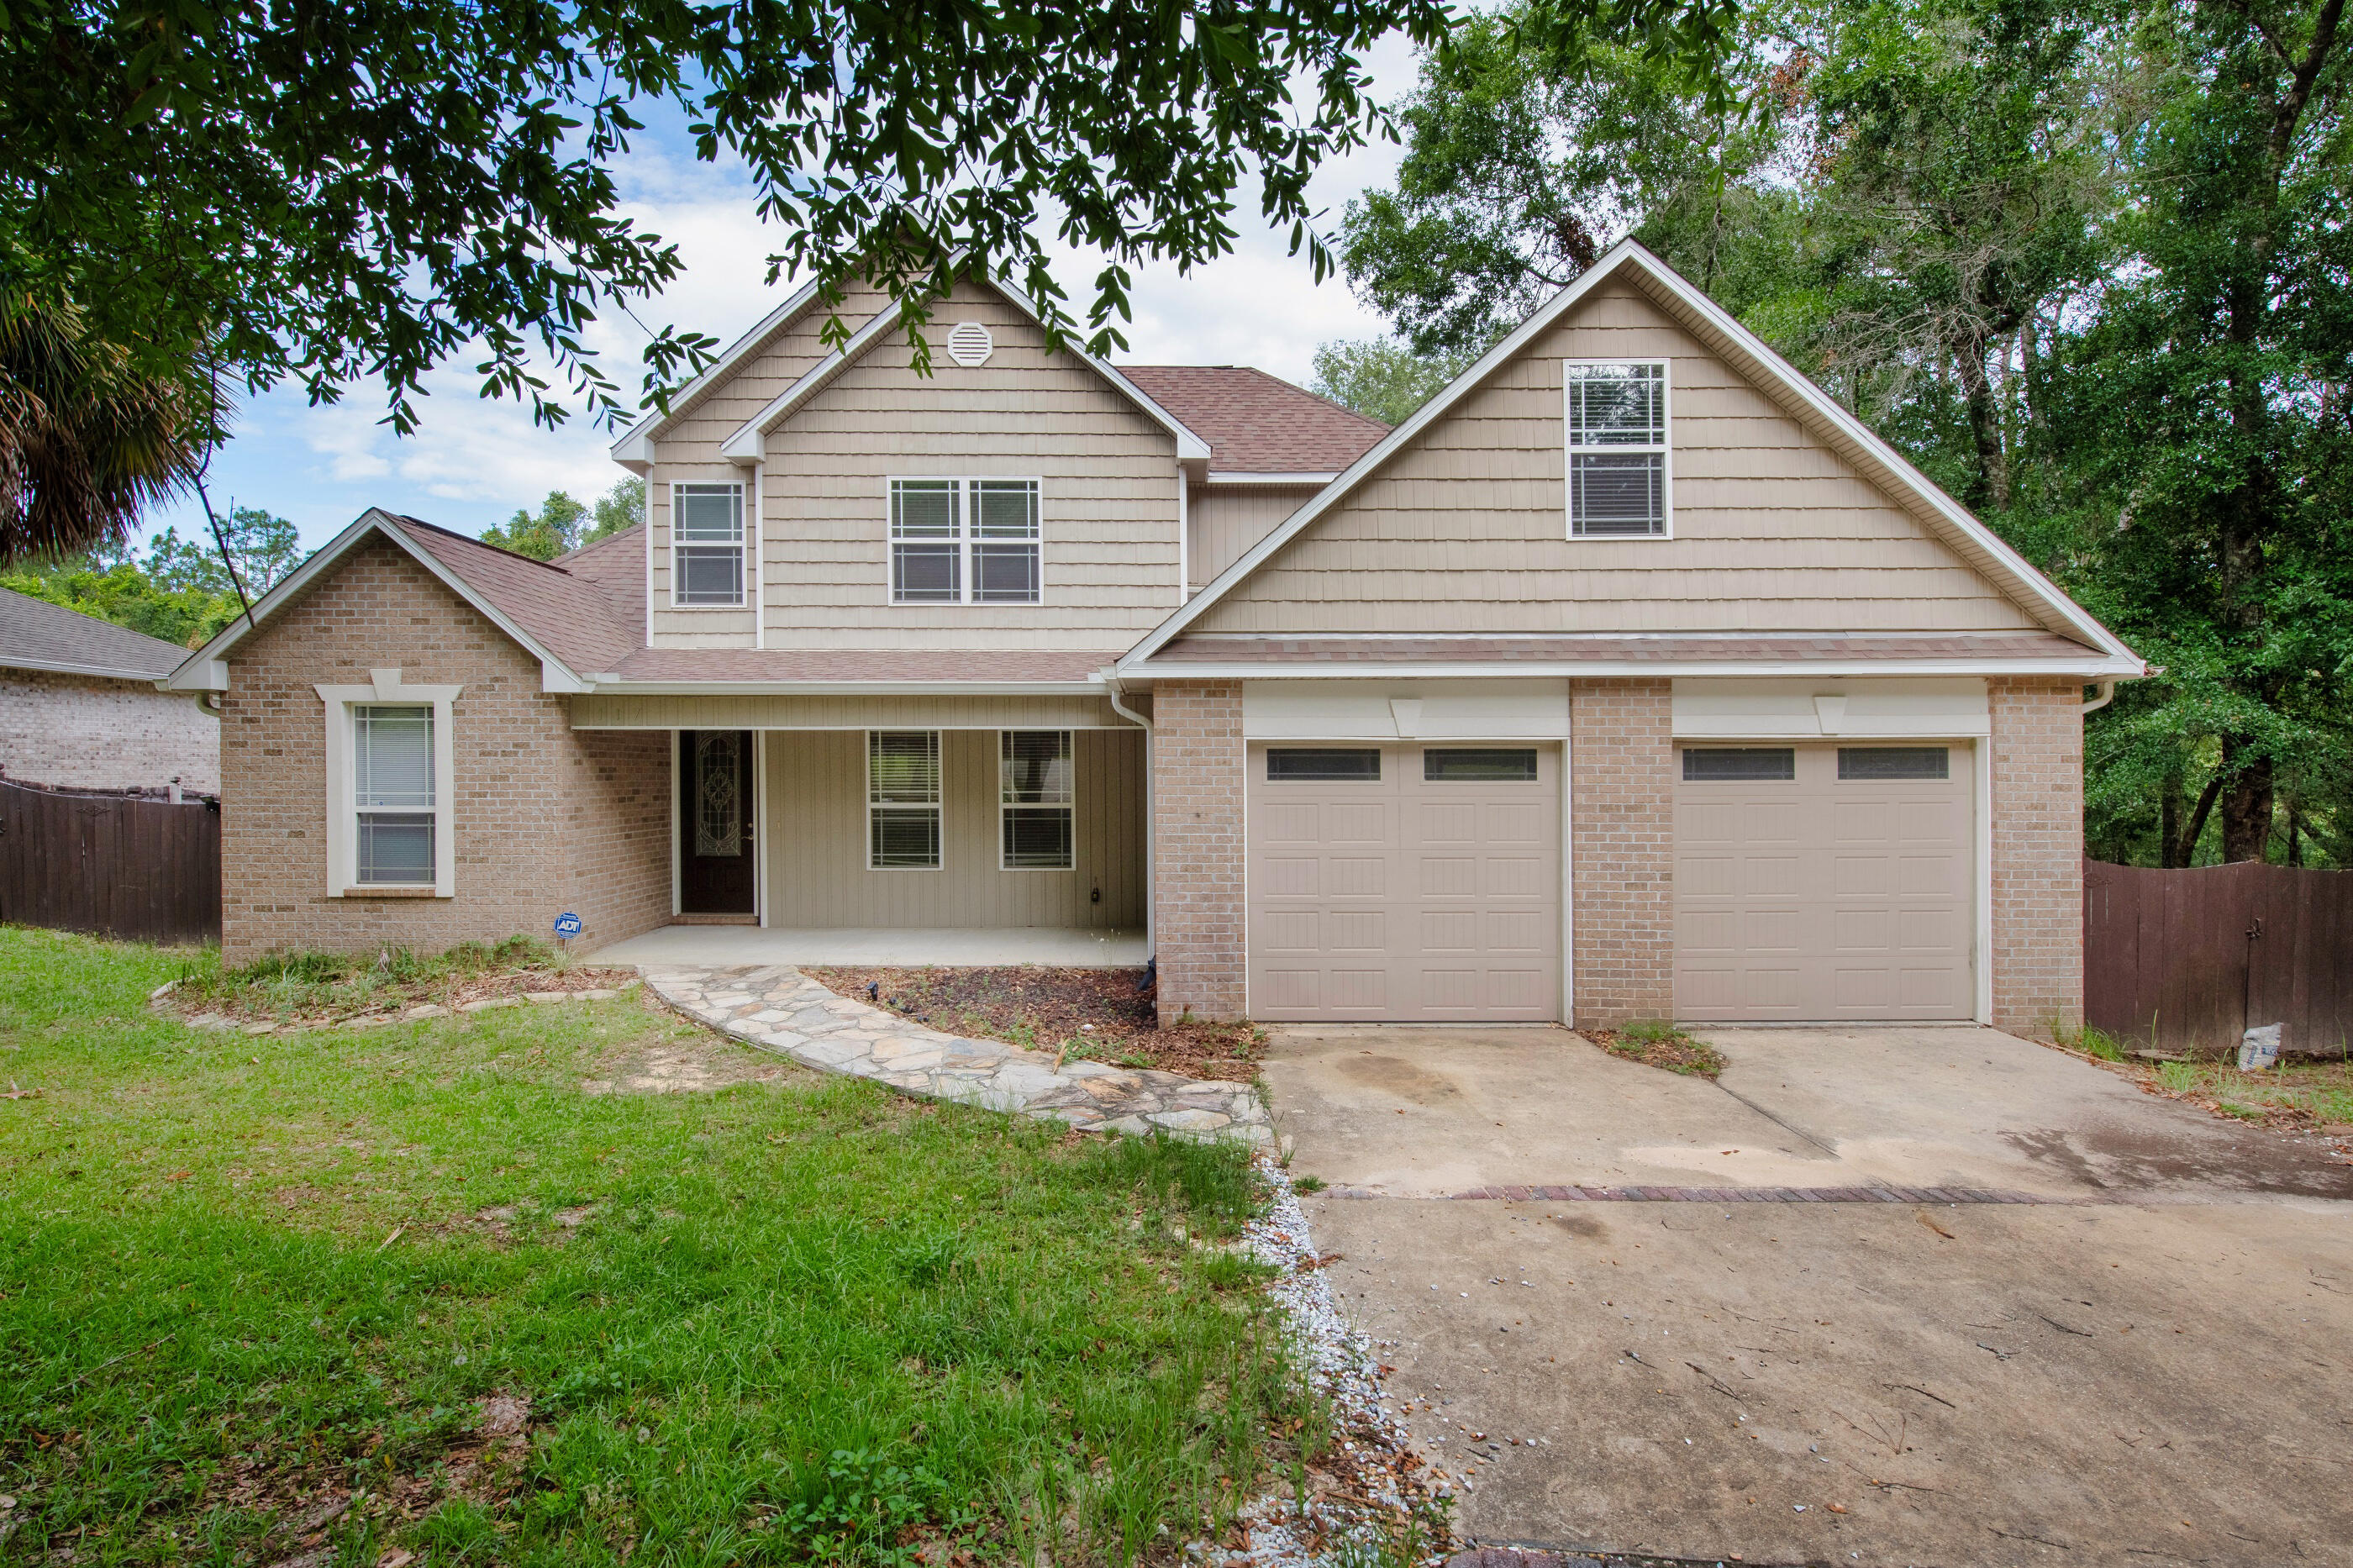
(1875, 1194)
(778, 1008)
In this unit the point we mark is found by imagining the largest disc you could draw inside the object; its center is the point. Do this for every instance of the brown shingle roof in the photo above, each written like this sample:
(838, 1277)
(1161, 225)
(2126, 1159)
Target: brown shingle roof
(571, 616)
(1604, 649)
(37, 634)
(1256, 423)
(930, 666)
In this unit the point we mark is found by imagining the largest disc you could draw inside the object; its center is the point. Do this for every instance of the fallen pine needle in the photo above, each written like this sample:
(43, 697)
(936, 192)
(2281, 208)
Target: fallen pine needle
(1922, 1216)
(388, 1240)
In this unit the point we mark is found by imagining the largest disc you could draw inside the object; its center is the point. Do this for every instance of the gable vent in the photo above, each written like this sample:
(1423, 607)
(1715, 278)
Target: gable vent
(970, 345)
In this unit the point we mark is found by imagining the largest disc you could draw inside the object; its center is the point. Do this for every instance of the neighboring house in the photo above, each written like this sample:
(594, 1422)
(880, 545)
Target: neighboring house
(1632, 677)
(82, 705)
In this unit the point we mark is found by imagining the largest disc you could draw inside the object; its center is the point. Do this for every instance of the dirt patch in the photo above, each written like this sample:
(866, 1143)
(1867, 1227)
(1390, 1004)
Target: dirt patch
(685, 1062)
(1658, 1046)
(2304, 1103)
(1097, 1015)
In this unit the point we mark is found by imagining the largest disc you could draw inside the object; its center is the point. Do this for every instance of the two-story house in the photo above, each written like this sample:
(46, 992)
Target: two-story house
(1630, 678)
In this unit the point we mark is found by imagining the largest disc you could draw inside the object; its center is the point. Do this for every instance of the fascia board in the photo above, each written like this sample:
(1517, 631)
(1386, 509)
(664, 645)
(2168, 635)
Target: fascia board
(607, 686)
(1901, 474)
(748, 442)
(648, 430)
(96, 672)
(1216, 477)
(2089, 668)
(1189, 447)
(555, 675)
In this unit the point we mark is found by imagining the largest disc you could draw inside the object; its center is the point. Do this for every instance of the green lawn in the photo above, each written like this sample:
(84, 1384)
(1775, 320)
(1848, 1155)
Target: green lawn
(786, 1320)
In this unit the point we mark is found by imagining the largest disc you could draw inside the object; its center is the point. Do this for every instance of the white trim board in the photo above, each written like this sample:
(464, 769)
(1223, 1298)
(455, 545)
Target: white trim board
(1830, 709)
(1722, 334)
(343, 809)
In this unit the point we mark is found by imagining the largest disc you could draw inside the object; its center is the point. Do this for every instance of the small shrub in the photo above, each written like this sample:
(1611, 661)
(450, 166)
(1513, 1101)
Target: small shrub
(1660, 1044)
(1306, 1185)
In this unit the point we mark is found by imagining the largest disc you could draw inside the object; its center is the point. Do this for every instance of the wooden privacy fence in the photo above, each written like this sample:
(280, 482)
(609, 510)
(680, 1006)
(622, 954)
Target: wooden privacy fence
(110, 864)
(2185, 960)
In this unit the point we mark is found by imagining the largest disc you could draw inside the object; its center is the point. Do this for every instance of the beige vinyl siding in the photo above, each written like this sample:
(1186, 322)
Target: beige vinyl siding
(815, 810)
(687, 453)
(1466, 529)
(616, 712)
(1107, 499)
(1225, 521)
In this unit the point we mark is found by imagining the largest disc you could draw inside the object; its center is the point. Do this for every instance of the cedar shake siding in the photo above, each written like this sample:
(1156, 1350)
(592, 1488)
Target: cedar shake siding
(1465, 527)
(545, 818)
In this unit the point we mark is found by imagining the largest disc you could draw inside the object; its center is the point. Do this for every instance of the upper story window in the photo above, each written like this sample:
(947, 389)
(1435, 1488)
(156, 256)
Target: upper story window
(964, 542)
(1618, 478)
(707, 545)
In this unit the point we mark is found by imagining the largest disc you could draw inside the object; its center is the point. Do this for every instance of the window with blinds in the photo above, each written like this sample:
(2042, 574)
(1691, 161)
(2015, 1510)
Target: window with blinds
(902, 800)
(707, 545)
(392, 777)
(1618, 477)
(1036, 800)
(966, 542)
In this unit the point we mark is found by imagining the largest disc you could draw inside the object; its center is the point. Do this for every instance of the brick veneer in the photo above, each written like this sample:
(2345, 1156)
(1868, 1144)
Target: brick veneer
(1196, 847)
(1623, 821)
(87, 732)
(2038, 846)
(547, 817)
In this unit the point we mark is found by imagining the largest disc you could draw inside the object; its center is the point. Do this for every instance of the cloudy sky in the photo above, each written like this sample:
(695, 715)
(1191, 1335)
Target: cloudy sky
(473, 462)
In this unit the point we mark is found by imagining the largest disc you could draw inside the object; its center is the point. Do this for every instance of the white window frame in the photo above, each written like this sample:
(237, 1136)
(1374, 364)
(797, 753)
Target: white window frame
(968, 537)
(938, 804)
(1664, 448)
(1069, 806)
(387, 689)
(677, 544)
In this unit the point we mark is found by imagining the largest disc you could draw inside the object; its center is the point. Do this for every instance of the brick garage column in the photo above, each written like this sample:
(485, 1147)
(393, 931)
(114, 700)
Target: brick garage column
(1622, 823)
(1196, 848)
(2038, 855)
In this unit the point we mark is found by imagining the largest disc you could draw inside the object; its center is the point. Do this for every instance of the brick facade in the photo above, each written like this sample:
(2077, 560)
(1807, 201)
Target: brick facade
(1623, 822)
(545, 817)
(2038, 848)
(84, 731)
(1196, 846)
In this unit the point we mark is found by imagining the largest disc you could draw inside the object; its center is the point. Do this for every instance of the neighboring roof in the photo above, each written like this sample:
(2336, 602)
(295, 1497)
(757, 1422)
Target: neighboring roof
(569, 622)
(929, 667)
(37, 634)
(1748, 354)
(1256, 423)
(1607, 653)
(745, 445)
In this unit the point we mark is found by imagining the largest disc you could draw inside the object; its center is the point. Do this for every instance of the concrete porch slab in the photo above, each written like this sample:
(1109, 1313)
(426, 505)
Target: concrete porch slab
(958, 947)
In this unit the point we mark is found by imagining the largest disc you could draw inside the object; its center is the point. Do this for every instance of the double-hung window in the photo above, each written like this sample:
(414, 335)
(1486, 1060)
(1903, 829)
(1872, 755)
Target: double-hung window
(1035, 800)
(707, 545)
(902, 800)
(393, 793)
(966, 542)
(1618, 478)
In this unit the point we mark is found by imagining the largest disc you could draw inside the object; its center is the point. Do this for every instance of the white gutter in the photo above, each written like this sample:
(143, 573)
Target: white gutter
(2107, 694)
(1374, 669)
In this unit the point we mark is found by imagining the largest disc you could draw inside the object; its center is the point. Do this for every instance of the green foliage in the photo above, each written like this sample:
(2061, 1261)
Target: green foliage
(797, 1317)
(564, 524)
(620, 508)
(2083, 262)
(1382, 377)
(183, 593)
(264, 549)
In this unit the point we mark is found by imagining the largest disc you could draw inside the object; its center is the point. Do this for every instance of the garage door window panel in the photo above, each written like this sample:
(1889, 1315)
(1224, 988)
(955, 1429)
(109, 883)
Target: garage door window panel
(1478, 764)
(1891, 763)
(1324, 765)
(1739, 764)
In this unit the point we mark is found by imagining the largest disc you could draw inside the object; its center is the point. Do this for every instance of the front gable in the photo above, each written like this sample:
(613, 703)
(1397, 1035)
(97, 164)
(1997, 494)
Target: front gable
(1788, 516)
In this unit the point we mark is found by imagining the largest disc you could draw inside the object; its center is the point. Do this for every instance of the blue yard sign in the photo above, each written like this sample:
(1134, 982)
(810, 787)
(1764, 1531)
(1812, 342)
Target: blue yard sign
(568, 925)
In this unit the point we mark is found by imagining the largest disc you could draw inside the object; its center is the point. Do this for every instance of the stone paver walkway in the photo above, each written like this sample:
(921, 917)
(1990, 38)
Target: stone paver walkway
(778, 1008)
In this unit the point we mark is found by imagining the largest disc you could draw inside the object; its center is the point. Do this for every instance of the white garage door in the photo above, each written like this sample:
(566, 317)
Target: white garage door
(1823, 882)
(1404, 883)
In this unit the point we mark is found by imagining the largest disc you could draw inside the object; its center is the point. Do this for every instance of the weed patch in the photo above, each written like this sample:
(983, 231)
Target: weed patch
(315, 988)
(1660, 1044)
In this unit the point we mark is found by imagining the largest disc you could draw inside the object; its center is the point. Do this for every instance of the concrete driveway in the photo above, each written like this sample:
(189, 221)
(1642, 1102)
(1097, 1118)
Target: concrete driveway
(2147, 1364)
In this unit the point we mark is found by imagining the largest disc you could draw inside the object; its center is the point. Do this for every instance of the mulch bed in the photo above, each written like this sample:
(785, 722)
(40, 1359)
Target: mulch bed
(1677, 1052)
(1097, 1014)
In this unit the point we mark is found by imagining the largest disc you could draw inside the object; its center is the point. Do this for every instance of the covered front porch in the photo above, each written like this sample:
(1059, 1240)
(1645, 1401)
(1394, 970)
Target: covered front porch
(726, 946)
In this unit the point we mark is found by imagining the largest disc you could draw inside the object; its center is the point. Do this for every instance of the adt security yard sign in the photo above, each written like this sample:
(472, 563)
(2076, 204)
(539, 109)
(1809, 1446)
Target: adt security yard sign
(568, 925)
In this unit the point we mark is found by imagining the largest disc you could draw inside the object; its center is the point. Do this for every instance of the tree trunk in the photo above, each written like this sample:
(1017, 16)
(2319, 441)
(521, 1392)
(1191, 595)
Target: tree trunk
(1989, 485)
(2246, 803)
(2183, 850)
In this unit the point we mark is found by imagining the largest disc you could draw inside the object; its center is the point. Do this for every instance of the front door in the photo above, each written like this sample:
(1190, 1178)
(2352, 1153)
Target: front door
(714, 822)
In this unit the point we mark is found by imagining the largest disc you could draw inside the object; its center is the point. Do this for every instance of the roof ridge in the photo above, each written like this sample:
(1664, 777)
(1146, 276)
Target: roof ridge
(1382, 425)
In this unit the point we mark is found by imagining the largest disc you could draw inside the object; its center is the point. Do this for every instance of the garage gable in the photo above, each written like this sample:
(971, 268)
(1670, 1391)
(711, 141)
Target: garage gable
(1784, 514)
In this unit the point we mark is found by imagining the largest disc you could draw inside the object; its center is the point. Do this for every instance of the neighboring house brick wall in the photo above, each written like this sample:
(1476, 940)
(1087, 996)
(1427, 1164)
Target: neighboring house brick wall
(526, 783)
(1622, 820)
(2038, 847)
(1199, 925)
(84, 731)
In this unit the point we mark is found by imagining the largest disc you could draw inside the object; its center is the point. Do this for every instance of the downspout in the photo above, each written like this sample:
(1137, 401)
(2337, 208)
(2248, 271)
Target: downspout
(1111, 690)
(2107, 694)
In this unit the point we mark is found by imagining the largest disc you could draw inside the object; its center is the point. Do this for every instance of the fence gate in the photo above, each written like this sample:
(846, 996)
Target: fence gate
(2182, 960)
(112, 864)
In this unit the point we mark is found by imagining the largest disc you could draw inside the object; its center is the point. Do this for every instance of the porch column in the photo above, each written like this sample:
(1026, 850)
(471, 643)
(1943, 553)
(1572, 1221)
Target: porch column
(1196, 841)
